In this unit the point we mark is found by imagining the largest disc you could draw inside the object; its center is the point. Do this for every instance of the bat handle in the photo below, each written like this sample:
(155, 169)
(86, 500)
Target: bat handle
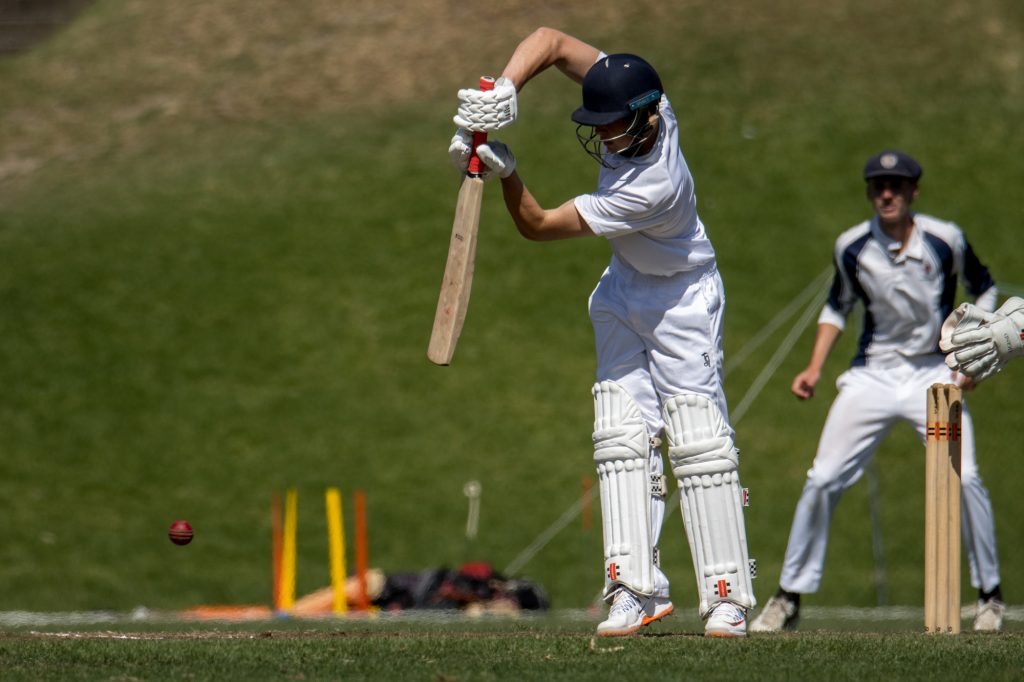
(476, 168)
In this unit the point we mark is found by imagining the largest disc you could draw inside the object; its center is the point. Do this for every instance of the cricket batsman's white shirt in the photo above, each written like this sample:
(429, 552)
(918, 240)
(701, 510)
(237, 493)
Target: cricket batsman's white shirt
(906, 295)
(647, 208)
(657, 309)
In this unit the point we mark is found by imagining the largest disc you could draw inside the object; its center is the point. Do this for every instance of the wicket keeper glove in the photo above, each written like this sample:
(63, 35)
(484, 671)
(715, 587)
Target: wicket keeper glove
(965, 318)
(487, 110)
(980, 343)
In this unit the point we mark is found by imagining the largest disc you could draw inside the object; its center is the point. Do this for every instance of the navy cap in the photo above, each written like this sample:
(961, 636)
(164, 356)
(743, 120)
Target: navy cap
(892, 162)
(615, 87)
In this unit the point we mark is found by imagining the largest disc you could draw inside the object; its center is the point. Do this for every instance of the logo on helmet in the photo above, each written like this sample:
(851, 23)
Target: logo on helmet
(644, 99)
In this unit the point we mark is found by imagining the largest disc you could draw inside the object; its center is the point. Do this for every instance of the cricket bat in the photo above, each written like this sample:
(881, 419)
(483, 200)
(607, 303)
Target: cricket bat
(458, 271)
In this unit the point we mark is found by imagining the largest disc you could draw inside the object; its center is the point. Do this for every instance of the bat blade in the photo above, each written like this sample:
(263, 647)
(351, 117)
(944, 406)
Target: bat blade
(458, 273)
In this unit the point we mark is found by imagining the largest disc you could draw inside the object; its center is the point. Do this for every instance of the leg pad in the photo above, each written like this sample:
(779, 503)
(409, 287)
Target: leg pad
(705, 463)
(621, 450)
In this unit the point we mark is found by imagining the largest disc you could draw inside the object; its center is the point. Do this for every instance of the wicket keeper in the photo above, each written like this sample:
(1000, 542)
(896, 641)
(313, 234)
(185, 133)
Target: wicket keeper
(903, 266)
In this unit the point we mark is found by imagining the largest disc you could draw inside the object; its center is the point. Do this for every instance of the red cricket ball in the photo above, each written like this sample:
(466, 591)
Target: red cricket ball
(180, 533)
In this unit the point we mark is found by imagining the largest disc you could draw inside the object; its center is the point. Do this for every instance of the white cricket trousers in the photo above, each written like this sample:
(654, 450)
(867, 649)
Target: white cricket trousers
(659, 337)
(870, 401)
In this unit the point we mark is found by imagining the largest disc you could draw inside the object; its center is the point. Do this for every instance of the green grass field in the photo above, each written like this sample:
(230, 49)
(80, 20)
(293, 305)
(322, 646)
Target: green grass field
(223, 227)
(535, 649)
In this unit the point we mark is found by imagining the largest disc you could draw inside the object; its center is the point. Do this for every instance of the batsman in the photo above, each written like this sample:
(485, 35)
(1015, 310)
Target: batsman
(657, 314)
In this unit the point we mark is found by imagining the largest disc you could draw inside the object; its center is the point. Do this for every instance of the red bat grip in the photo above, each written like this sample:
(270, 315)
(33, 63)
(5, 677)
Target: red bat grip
(476, 167)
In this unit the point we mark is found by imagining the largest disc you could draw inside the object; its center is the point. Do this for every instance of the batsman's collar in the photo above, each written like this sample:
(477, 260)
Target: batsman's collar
(892, 162)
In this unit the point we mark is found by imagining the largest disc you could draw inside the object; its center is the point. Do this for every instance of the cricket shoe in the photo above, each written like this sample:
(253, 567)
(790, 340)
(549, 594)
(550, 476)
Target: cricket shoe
(726, 620)
(777, 615)
(990, 616)
(630, 612)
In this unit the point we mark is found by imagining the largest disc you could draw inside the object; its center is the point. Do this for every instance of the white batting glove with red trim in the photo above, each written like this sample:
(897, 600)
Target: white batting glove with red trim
(497, 157)
(487, 110)
(460, 149)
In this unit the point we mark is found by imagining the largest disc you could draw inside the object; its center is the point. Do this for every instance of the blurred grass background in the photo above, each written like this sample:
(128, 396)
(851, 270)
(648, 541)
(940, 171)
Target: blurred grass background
(223, 227)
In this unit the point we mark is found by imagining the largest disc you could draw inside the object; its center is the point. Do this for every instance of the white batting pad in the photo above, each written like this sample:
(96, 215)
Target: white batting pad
(620, 453)
(705, 464)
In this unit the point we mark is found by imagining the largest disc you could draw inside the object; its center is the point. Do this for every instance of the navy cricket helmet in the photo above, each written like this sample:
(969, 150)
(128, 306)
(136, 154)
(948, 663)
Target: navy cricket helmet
(615, 87)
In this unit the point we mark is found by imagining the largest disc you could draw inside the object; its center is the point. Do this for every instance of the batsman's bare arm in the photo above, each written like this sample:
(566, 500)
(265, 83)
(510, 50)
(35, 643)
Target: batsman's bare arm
(548, 47)
(542, 49)
(539, 224)
(824, 341)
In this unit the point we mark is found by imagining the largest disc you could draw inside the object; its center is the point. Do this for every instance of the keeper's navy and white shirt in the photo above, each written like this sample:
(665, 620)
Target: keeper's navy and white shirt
(906, 294)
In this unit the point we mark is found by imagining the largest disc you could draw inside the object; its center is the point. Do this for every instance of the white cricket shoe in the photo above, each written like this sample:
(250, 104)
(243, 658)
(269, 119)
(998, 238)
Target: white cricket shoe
(777, 615)
(629, 613)
(726, 620)
(990, 616)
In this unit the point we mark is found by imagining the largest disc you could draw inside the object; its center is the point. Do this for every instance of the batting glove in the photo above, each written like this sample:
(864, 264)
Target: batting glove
(487, 110)
(460, 149)
(498, 158)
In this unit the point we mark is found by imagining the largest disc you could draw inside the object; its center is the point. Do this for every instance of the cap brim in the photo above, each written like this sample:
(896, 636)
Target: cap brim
(596, 118)
(890, 174)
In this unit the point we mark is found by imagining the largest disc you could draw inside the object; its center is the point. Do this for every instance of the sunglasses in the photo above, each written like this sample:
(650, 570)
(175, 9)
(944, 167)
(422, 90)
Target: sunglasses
(893, 183)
